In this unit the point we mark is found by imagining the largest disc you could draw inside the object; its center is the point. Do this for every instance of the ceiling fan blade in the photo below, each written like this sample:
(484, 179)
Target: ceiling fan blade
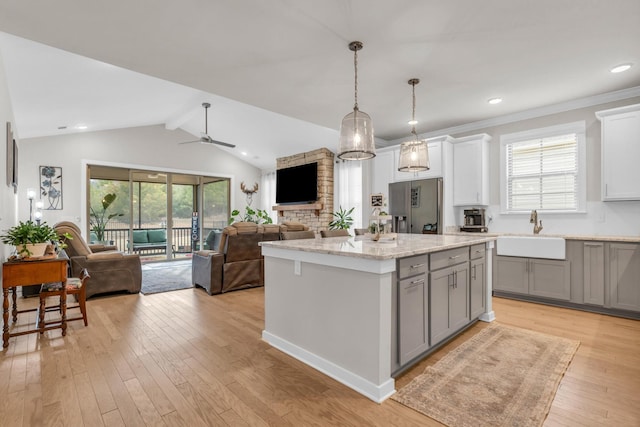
(204, 137)
(225, 144)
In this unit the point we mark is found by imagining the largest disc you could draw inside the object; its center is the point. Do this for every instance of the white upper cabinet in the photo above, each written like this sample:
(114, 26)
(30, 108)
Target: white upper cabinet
(383, 171)
(620, 153)
(471, 170)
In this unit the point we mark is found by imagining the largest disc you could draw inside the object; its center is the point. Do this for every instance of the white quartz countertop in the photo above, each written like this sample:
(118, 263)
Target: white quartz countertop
(363, 247)
(585, 237)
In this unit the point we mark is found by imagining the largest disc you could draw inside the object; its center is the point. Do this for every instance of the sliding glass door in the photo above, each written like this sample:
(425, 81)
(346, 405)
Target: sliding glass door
(152, 212)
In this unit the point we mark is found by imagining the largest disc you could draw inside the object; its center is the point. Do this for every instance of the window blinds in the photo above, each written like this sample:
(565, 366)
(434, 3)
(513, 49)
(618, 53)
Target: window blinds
(543, 174)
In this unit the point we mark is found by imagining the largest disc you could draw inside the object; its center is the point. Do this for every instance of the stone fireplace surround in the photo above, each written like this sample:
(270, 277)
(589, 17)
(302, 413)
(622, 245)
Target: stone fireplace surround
(317, 216)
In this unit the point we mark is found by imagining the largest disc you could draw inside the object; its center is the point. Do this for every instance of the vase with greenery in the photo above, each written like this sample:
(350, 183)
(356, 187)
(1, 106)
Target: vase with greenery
(343, 219)
(98, 220)
(258, 216)
(31, 239)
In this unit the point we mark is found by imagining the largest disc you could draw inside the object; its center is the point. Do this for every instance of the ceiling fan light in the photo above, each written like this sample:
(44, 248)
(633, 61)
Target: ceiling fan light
(356, 137)
(414, 156)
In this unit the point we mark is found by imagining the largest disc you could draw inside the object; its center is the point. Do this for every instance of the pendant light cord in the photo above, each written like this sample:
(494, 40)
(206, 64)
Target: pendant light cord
(355, 66)
(413, 113)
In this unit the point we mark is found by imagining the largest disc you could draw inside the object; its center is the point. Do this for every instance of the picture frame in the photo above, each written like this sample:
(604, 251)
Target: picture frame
(15, 166)
(9, 147)
(415, 197)
(50, 178)
(376, 200)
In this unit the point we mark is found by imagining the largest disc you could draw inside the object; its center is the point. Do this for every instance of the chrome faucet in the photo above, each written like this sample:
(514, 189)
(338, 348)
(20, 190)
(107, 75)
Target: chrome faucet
(534, 220)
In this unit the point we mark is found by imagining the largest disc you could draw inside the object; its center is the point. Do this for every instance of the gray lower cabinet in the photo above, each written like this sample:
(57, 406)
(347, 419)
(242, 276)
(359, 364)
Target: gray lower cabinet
(413, 297)
(533, 276)
(477, 286)
(593, 271)
(550, 278)
(413, 308)
(449, 308)
(511, 274)
(624, 276)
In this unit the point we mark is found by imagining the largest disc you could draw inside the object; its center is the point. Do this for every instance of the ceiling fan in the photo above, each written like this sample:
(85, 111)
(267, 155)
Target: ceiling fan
(204, 136)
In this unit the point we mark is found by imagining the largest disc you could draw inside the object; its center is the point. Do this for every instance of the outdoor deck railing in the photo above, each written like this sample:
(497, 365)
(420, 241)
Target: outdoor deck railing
(181, 238)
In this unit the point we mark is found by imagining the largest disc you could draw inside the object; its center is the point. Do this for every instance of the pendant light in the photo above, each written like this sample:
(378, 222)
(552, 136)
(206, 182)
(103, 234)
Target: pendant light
(414, 155)
(356, 131)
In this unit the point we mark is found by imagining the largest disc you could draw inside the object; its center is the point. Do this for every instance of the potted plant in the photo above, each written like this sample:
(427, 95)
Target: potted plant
(258, 216)
(30, 239)
(343, 220)
(98, 221)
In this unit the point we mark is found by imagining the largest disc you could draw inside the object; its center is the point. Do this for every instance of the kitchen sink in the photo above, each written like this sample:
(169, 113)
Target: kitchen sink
(531, 246)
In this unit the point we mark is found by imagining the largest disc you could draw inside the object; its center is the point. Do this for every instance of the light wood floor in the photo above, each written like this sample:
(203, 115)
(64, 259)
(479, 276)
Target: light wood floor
(187, 359)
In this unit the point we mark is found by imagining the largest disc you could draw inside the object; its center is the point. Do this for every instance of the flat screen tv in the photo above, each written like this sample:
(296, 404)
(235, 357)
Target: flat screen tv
(297, 184)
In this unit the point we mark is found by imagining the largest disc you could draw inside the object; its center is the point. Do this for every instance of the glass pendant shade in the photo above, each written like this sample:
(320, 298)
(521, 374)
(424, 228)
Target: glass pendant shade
(414, 156)
(356, 137)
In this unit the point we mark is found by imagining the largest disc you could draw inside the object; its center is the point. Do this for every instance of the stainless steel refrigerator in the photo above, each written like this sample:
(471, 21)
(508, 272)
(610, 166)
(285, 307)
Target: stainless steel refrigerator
(416, 206)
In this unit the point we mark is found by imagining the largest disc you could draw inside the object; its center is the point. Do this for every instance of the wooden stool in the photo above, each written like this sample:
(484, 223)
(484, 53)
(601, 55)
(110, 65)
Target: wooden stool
(73, 286)
(77, 286)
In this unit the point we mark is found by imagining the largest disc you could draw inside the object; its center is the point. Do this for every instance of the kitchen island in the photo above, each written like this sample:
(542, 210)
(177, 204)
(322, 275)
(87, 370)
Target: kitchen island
(359, 310)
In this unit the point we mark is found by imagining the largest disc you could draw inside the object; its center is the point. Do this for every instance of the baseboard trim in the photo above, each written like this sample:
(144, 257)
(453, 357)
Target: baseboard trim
(377, 393)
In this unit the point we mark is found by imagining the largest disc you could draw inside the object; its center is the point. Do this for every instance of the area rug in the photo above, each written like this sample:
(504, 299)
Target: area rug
(166, 276)
(503, 376)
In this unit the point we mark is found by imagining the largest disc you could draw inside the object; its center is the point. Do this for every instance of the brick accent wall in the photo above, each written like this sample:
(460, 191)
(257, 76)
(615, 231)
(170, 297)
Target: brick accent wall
(324, 157)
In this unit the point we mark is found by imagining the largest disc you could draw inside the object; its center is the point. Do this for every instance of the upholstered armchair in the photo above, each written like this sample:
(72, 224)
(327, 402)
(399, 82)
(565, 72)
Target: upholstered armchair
(110, 270)
(238, 262)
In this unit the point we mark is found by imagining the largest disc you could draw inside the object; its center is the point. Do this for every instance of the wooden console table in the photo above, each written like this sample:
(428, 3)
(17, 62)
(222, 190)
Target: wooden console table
(22, 273)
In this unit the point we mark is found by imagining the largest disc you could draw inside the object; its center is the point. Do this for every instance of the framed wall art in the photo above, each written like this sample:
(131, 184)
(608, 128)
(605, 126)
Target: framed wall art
(415, 197)
(9, 155)
(51, 187)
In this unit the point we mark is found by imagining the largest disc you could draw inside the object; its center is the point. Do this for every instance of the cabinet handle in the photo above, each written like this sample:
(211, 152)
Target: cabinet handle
(416, 266)
(455, 280)
(594, 245)
(417, 282)
(454, 257)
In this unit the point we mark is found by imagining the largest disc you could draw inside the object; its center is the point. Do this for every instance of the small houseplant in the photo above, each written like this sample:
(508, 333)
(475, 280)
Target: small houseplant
(98, 221)
(258, 216)
(29, 238)
(343, 219)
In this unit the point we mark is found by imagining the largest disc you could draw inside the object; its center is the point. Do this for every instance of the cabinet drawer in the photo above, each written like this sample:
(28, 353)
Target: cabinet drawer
(413, 265)
(477, 251)
(447, 258)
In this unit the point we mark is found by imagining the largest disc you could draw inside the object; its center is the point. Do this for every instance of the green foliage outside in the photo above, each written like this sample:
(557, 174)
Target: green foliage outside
(150, 202)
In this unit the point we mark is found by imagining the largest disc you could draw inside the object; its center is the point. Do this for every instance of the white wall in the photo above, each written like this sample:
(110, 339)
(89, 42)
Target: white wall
(149, 147)
(601, 218)
(7, 197)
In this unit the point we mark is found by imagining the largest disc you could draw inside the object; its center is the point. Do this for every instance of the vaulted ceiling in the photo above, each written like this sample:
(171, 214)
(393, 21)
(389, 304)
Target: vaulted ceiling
(279, 74)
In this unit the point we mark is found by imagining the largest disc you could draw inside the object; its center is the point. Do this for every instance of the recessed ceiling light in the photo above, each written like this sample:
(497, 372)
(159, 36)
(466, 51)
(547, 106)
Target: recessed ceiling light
(620, 68)
(244, 153)
(412, 122)
(81, 127)
(494, 101)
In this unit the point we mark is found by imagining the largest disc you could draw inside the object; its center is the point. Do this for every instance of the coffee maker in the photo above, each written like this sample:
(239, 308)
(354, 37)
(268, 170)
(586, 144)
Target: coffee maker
(474, 221)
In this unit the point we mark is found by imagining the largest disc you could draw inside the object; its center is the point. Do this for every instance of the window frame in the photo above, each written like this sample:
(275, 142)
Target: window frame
(579, 129)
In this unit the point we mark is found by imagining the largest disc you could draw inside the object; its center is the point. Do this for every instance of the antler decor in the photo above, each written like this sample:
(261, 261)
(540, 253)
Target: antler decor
(249, 192)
